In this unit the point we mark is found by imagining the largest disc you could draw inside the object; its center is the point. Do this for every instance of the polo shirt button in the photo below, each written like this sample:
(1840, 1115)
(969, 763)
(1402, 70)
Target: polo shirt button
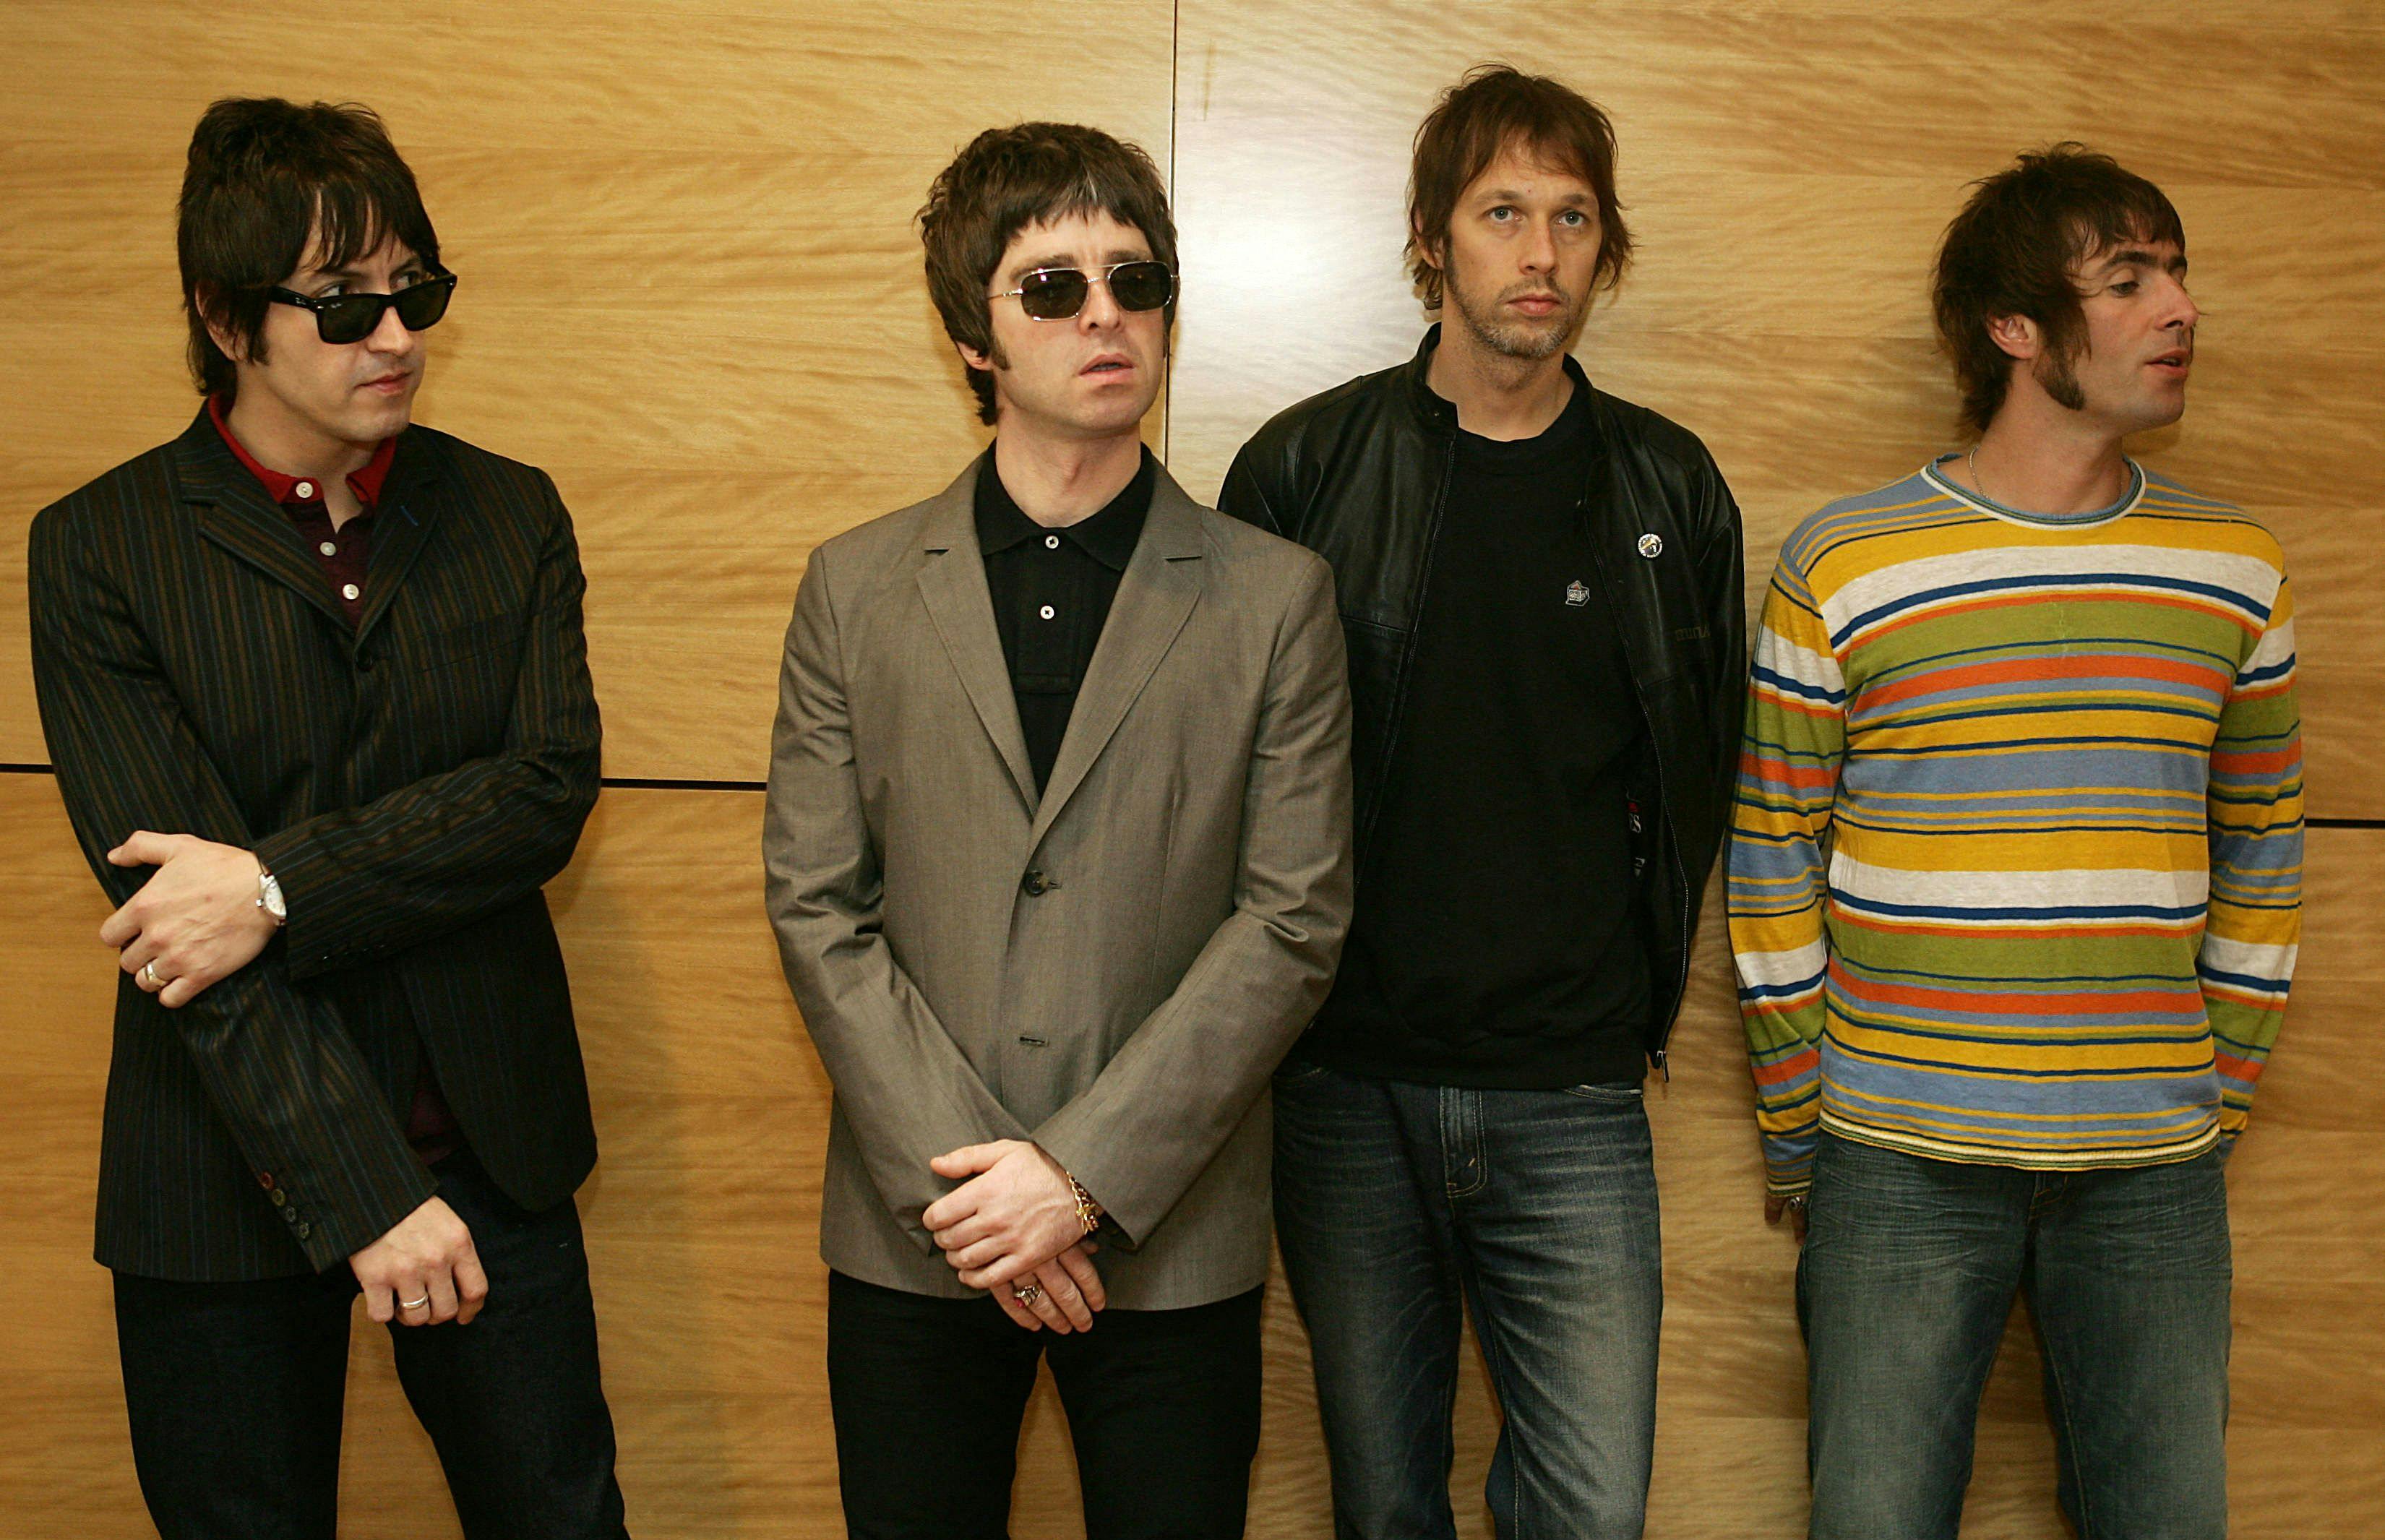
(328, 548)
(348, 591)
(1045, 612)
(304, 488)
(1051, 541)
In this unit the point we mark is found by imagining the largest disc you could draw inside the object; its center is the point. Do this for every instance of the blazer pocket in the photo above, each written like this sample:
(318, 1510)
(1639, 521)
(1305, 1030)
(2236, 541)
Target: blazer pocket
(463, 640)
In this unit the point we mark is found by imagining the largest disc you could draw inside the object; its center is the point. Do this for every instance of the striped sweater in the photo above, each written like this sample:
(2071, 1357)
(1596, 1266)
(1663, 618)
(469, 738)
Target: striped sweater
(2016, 864)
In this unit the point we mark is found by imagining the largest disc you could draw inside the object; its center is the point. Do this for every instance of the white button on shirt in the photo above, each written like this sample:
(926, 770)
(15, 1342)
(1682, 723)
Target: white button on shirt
(1045, 611)
(348, 591)
(328, 548)
(304, 488)
(1051, 541)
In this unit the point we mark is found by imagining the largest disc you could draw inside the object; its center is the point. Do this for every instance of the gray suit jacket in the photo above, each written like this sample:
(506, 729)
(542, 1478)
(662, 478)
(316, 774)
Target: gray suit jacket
(1113, 972)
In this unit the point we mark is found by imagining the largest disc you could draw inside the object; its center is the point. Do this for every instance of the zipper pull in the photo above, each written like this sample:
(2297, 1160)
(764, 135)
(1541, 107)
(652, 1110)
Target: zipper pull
(1664, 1067)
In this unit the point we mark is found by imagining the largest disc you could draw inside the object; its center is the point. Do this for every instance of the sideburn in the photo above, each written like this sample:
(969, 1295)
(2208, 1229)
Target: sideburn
(2056, 375)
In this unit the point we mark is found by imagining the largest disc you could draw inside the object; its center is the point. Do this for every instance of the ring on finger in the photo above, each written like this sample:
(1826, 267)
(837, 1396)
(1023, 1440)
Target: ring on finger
(1028, 1293)
(414, 1303)
(149, 973)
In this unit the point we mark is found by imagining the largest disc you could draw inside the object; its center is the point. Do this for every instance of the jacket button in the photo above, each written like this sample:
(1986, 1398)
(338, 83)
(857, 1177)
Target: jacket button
(305, 1231)
(1036, 883)
(265, 1180)
(280, 1199)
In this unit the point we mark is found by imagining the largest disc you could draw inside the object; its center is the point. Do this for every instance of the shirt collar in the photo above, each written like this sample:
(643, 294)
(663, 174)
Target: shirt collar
(1108, 537)
(365, 483)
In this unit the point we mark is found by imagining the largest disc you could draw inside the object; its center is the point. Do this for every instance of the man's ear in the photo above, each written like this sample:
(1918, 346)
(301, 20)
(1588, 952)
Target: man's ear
(211, 310)
(1434, 258)
(971, 357)
(2017, 335)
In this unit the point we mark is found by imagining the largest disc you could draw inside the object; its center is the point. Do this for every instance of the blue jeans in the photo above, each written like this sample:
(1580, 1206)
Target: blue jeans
(1906, 1279)
(1400, 1206)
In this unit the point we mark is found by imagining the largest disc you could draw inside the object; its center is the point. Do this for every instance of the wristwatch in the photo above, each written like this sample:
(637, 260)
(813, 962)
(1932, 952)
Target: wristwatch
(268, 895)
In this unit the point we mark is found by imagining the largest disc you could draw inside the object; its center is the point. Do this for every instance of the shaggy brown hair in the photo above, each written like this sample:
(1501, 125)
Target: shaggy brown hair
(1009, 178)
(1494, 107)
(2014, 250)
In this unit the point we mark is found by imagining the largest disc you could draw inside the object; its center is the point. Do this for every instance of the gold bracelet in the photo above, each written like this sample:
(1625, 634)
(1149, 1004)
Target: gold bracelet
(1089, 1213)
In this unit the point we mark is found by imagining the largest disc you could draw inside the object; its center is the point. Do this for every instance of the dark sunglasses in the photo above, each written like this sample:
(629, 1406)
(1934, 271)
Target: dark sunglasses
(352, 318)
(1057, 293)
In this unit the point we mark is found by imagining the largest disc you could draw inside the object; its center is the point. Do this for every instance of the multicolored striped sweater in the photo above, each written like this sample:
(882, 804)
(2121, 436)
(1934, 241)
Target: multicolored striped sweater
(2016, 866)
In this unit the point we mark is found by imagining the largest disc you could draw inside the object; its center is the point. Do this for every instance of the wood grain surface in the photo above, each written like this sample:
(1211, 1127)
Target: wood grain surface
(702, 1217)
(691, 293)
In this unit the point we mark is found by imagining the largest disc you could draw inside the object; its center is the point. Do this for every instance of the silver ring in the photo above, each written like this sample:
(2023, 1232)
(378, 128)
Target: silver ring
(149, 971)
(1029, 1295)
(414, 1303)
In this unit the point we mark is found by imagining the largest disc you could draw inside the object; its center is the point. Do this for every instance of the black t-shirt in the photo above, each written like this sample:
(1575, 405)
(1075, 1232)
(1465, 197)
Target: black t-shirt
(1495, 941)
(1052, 590)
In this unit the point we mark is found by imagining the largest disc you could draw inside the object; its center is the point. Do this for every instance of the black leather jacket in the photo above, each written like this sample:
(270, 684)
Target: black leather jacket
(1360, 474)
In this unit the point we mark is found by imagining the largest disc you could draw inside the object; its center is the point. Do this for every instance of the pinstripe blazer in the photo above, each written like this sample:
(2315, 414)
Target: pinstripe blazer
(412, 782)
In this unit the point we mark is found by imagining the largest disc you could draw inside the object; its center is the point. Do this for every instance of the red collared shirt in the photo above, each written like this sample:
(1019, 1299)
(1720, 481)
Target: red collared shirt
(344, 553)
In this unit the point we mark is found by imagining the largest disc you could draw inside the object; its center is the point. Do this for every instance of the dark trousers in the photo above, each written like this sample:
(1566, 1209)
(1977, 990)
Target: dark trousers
(235, 1390)
(927, 1394)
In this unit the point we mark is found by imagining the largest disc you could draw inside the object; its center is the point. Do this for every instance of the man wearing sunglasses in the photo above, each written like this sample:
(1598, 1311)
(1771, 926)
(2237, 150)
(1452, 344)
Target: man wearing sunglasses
(1057, 853)
(313, 683)
(1540, 585)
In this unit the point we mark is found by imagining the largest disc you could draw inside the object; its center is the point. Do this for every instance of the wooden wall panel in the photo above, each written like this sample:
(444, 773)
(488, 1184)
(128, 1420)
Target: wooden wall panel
(1787, 169)
(691, 285)
(703, 1214)
(693, 295)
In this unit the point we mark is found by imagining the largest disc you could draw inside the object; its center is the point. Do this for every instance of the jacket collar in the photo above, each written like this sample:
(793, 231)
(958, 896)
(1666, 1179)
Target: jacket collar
(1155, 596)
(234, 511)
(1437, 412)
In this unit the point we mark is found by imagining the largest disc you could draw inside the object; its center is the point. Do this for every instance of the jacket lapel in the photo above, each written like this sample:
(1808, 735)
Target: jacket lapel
(233, 512)
(1155, 596)
(410, 504)
(952, 584)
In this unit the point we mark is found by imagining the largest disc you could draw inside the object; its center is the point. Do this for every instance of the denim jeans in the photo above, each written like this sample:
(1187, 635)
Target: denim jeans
(1400, 1206)
(1903, 1286)
(234, 1391)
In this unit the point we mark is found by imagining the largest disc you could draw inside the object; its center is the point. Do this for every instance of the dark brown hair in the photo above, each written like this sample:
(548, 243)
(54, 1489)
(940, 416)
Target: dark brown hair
(1494, 108)
(2014, 251)
(1009, 178)
(265, 177)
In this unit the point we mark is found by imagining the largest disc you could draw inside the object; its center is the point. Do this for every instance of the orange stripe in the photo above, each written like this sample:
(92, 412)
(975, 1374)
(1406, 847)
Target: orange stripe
(2028, 671)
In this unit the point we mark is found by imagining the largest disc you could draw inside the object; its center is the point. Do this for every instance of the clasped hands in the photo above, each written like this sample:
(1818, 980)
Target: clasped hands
(1011, 1230)
(195, 922)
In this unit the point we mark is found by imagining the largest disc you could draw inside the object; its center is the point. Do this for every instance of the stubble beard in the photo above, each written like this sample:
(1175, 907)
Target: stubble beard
(1521, 341)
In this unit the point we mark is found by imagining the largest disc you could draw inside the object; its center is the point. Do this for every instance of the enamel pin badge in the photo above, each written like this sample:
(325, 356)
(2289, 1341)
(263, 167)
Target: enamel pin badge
(1651, 546)
(1577, 594)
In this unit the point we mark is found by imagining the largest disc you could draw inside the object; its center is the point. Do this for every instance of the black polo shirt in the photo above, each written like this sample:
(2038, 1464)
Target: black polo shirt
(1052, 591)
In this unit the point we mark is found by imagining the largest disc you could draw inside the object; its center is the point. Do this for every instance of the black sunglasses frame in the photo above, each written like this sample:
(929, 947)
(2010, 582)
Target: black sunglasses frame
(326, 309)
(1084, 285)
